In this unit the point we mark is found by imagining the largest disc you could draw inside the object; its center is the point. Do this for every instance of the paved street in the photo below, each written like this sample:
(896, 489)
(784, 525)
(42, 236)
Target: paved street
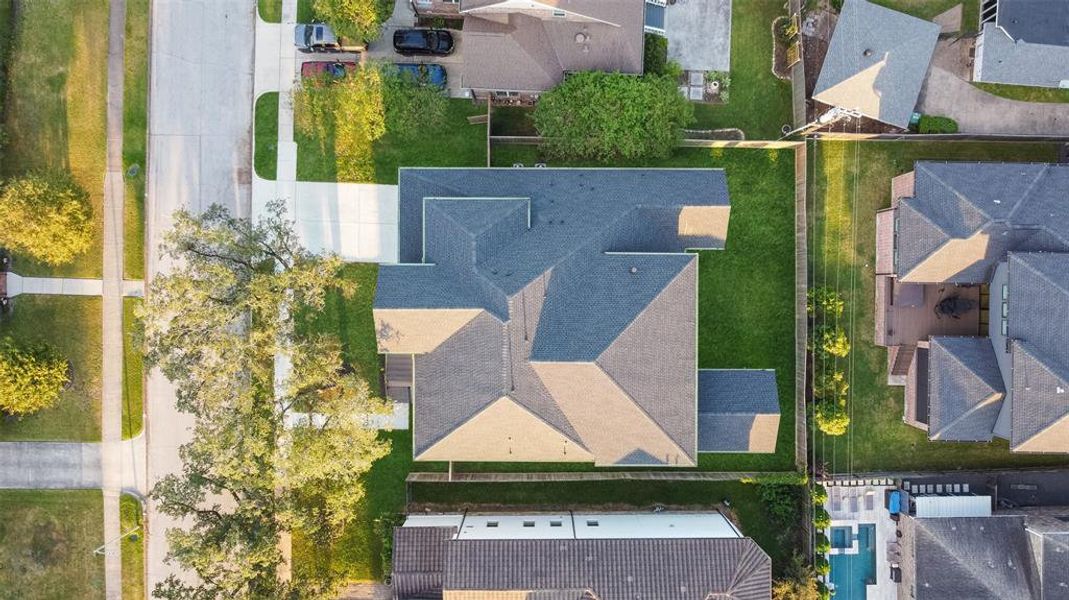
(200, 128)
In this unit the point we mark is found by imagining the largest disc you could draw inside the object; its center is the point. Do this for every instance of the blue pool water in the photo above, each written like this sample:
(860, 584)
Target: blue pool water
(841, 537)
(852, 572)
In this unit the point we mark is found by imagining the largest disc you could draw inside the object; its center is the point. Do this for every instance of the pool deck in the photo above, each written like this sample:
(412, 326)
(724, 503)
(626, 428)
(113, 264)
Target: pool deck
(850, 506)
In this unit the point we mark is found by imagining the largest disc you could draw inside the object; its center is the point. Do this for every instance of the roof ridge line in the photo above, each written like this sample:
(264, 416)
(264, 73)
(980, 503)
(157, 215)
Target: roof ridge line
(1064, 287)
(953, 554)
(960, 196)
(1026, 195)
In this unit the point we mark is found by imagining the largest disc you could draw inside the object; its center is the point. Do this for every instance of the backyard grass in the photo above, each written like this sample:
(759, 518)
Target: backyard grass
(745, 504)
(47, 540)
(455, 143)
(54, 116)
(745, 292)
(1024, 93)
(133, 547)
(842, 212)
(133, 371)
(135, 136)
(265, 153)
(270, 10)
(759, 103)
(929, 9)
(71, 325)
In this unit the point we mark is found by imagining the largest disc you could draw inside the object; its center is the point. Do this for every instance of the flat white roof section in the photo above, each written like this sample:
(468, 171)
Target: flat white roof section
(545, 526)
(953, 506)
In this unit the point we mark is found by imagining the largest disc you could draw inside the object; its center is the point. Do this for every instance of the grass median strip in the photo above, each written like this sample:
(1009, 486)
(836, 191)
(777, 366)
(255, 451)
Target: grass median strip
(133, 368)
(135, 136)
(265, 153)
(131, 517)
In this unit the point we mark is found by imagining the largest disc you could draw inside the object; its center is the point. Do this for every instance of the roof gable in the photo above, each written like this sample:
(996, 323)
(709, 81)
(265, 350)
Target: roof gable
(1040, 402)
(965, 389)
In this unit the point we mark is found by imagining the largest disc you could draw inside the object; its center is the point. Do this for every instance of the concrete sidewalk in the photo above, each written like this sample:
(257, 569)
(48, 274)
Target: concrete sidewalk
(17, 284)
(70, 465)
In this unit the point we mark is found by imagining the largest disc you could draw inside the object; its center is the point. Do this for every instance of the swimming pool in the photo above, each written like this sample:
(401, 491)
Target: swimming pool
(852, 572)
(841, 537)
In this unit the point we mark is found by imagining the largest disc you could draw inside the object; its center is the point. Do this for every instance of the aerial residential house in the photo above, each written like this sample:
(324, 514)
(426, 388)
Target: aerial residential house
(1024, 42)
(550, 315)
(876, 63)
(608, 556)
(972, 301)
(516, 49)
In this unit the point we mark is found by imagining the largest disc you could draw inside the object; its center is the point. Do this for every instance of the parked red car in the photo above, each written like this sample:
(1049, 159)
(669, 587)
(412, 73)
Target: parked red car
(335, 69)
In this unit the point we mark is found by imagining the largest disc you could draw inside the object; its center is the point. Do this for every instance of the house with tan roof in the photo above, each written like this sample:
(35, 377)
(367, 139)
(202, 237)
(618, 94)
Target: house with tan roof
(520, 48)
(972, 301)
(550, 315)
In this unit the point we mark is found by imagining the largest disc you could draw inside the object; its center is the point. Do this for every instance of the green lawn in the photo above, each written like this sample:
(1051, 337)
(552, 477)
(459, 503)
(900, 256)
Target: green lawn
(265, 152)
(929, 9)
(133, 371)
(135, 135)
(746, 292)
(455, 143)
(305, 14)
(55, 107)
(618, 495)
(270, 10)
(1024, 93)
(759, 103)
(47, 540)
(72, 325)
(133, 547)
(842, 214)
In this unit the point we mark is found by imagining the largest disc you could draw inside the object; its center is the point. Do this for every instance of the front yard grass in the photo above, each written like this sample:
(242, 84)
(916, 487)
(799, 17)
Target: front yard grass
(745, 292)
(270, 10)
(1024, 93)
(131, 517)
(842, 213)
(456, 143)
(72, 325)
(135, 136)
(759, 103)
(54, 115)
(133, 371)
(47, 540)
(265, 151)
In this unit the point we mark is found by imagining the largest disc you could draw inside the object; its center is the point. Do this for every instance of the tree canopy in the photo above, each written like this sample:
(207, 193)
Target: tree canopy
(269, 452)
(49, 217)
(604, 116)
(32, 377)
(356, 19)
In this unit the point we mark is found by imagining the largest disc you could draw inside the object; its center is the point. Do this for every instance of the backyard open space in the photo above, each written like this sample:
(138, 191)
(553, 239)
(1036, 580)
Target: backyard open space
(54, 113)
(46, 545)
(848, 183)
(71, 325)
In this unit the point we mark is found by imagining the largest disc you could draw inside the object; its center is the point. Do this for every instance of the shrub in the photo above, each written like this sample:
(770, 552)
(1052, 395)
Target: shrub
(31, 377)
(823, 545)
(781, 502)
(655, 56)
(821, 518)
(831, 417)
(781, 478)
(830, 340)
(48, 217)
(605, 116)
(411, 106)
(930, 124)
(356, 19)
(819, 494)
(825, 302)
(830, 385)
(821, 565)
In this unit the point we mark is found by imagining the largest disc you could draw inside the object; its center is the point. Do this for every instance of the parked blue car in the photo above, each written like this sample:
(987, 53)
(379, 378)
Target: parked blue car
(426, 74)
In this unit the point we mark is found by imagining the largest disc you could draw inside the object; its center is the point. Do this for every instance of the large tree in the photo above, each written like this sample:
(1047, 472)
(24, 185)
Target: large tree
(48, 217)
(32, 377)
(270, 451)
(356, 19)
(604, 116)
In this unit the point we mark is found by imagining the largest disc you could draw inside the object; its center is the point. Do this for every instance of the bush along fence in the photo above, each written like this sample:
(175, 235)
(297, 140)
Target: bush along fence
(827, 346)
(822, 546)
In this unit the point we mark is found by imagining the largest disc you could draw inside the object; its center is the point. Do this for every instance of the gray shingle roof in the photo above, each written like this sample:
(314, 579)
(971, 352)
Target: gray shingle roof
(1020, 206)
(1039, 325)
(729, 402)
(418, 560)
(609, 569)
(965, 389)
(553, 291)
(980, 558)
(1002, 59)
(876, 62)
(1035, 21)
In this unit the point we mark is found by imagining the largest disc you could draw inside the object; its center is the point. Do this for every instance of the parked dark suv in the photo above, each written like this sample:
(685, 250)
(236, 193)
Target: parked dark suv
(437, 42)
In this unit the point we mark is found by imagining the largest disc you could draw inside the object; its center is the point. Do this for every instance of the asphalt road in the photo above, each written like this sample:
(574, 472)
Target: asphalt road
(200, 145)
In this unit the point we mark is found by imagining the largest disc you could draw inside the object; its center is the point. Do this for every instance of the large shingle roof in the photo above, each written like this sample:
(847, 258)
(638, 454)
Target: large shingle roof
(965, 389)
(608, 569)
(1017, 206)
(1003, 59)
(730, 404)
(566, 266)
(1035, 21)
(418, 560)
(876, 62)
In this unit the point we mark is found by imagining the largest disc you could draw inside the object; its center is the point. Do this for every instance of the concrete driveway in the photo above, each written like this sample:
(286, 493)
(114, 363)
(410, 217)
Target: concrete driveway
(699, 34)
(402, 17)
(976, 111)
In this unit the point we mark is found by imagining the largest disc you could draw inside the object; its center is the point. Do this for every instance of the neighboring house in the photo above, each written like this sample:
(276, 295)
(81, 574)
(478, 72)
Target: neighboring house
(1021, 554)
(550, 315)
(518, 49)
(608, 556)
(972, 301)
(876, 62)
(1024, 42)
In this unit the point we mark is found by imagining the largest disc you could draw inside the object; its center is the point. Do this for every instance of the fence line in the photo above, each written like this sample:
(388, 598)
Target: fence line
(581, 476)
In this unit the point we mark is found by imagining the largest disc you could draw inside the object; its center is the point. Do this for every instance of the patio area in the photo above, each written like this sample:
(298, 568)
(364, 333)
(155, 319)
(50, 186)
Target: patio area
(699, 34)
(863, 539)
(913, 312)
